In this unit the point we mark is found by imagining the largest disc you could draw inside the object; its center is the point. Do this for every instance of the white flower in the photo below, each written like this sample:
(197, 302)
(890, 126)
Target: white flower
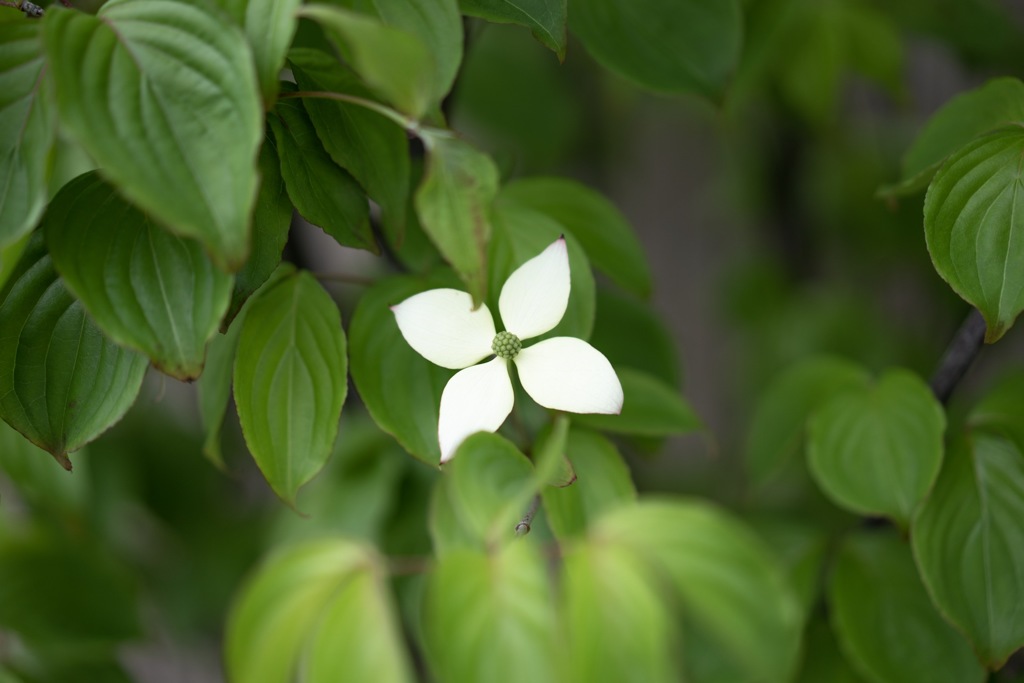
(562, 373)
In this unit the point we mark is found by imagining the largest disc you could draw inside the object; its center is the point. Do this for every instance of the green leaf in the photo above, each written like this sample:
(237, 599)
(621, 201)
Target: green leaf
(147, 289)
(520, 234)
(453, 202)
(545, 18)
(621, 320)
(290, 381)
(650, 408)
(875, 592)
(316, 611)
(369, 146)
(801, 546)
(822, 659)
(777, 430)
(38, 479)
(62, 383)
(1001, 410)
(393, 62)
(490, 617)
(163, 94)
(969, 543)
(630, 37)
(729, 585)
(877, 449)
(383, 360)
(974, 221)
(604, 232)
(970, 114)
(603, 483)
(323, 192)
(618, 626)
(9, 257)
(269, 26)
(28, 131)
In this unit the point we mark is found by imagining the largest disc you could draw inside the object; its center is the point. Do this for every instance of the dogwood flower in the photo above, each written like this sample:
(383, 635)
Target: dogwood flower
(561, 373)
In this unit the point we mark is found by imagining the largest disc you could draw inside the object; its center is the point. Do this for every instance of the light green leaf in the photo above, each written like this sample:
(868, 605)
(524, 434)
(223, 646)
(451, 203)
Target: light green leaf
(27, 134)
(601, 228)
(317, 611)
(393, 62)
(369, 146)
(729, 585)
(453, 202)
(602, 483)
(969, 543)
(545, 18)
(777, 430)
(163, 94)
(62, 382)
(290, 381)
(650, 408)
(146, 288)
(490, 617)
(323, 192)
(877, 449)
(629, 37)
(875, 593)
(974, 222)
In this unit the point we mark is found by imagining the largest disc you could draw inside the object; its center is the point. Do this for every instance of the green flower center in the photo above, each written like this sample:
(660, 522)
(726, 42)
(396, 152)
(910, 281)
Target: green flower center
(506, 345)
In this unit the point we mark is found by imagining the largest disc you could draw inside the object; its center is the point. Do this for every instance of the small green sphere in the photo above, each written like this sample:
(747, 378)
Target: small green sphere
(506, 345)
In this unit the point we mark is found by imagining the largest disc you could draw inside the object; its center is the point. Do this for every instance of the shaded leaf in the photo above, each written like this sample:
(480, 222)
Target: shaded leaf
(545, 18)
(631, 334)
(650, 408)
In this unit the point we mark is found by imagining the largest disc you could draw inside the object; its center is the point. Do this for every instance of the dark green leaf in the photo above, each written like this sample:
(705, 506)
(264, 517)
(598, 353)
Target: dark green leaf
(650, 408)
(323, 192)
(877, 449)
(801, 547)
(974, 222)
(270, 25)
(822, 659)
(290, 381)
(544, 18)
(630, 37)
(876, 593)
(969, 543)
(62, 382)
(1001, 410)
(146, 288)
(631, 334)
(163, 94)
(603, 231)
(27, 134)
(9, 257)
(39, 480)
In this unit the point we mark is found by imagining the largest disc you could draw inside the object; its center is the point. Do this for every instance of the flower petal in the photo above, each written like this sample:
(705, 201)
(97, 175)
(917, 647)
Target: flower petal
(477, 399)
(565, 373)
(535, 296)
(441, 325)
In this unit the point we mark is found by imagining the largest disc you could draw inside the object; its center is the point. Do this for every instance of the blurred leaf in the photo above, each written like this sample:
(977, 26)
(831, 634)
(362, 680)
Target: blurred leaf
(729, 585)
(39, 480)
(490, 616)
(875, 593)
(544, 18)
(290, 381)
(367, 145)
(317, 611)
(877, 449)
(822, 659)
(969, 543)
(629, 37)
(650, 408)
(9, 257)
(973, 225)
(147, 289)
(1001, 410)
(802, 548)
(601, 229)
(519, 235)
(392, 61)
(631, 334)
(453, 202)
(173, 118)
(28, 131)
(970, 114)
(777, 429)
(323, 192)
(62, 382)
(602, 484)
(69, 665)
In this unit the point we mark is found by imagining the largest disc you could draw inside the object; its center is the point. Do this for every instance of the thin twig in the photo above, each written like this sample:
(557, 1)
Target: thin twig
(31, 10)
(523, 527)
(960, 353)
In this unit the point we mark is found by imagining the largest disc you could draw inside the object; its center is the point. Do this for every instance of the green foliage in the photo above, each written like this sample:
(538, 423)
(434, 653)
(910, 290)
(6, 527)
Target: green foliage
(651, 408)
(269, 27)
(544, 18)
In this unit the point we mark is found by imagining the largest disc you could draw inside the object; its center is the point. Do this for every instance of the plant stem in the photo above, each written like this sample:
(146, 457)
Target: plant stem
(960, 353)
(408, 124)
(523, 527)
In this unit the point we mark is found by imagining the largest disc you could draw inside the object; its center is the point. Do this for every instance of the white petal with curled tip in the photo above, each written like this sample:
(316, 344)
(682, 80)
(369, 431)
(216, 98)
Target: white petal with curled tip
(535, 296)
(477, 399)
(565, 373)
(441, 325)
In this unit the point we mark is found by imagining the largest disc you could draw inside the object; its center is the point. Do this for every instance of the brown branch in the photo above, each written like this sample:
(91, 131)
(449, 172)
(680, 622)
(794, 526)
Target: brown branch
(960, 353)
